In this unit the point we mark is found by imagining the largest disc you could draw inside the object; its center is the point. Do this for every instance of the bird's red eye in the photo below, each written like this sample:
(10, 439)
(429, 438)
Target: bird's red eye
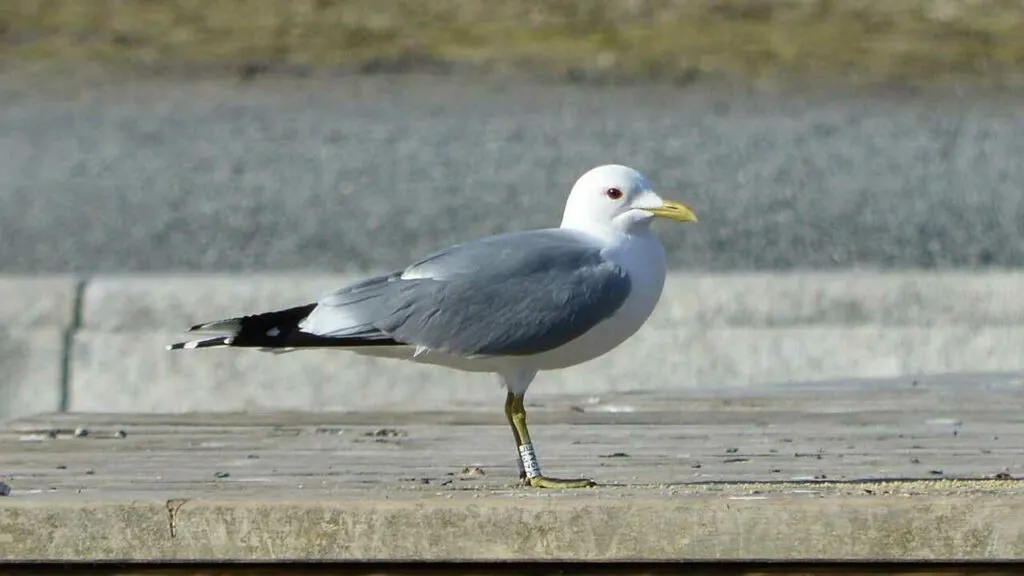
(613, 193)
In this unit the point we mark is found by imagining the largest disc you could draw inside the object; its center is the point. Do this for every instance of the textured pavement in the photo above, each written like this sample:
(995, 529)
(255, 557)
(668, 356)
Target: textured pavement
(368, 173)
(882, 430)
(880, 470)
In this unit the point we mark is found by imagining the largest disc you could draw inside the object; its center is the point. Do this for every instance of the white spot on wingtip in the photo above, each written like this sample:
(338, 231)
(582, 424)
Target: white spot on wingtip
(274, 332)
(191, 345)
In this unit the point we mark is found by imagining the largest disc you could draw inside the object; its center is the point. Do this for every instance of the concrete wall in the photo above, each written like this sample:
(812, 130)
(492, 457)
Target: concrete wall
(98, 344)
(35, 317)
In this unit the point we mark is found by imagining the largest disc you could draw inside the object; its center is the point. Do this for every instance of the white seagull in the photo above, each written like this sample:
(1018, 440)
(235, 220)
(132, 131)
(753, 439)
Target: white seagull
(512, 304)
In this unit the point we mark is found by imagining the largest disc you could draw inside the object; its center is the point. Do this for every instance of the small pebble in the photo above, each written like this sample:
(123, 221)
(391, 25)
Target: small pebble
(471, 471)
(89, 472)
(5, 490)
(61, 467)
(221, 474)
(252, 456)
(81, 432)
(1003, 476)
(120, 434)
(614, 455)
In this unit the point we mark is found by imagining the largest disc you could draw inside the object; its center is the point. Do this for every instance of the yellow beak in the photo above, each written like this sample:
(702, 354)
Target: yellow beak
(674, 211)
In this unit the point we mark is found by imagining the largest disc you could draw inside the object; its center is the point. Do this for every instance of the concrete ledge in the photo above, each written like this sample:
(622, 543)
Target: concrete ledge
(719, 527)
(722, 330)
(35, 315)
(175, 302)
(133, 372)
(37, 301)
(875, 470)
(129, 371)
(31, 371)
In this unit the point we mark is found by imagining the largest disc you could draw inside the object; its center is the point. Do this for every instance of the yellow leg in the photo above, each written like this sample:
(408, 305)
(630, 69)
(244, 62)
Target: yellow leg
(530, 468)
(509, 403)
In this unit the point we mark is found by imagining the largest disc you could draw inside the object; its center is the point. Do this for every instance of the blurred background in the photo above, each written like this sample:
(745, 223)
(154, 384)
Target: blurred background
(336, 137)
(347, 135)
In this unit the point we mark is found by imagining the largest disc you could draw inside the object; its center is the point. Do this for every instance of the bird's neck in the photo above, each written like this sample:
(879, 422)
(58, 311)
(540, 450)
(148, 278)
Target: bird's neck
(609, 232)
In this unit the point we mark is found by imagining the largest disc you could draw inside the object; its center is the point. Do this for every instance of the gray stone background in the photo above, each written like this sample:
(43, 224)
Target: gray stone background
(352, 173)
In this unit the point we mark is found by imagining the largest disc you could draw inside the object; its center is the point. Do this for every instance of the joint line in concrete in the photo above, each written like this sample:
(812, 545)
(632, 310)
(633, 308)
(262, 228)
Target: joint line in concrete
(69, 341)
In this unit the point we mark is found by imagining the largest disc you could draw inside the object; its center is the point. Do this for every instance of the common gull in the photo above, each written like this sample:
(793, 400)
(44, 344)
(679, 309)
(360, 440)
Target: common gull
(513, 304)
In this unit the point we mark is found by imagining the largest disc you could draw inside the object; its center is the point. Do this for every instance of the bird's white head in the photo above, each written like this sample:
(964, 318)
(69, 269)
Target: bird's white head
(614, 198)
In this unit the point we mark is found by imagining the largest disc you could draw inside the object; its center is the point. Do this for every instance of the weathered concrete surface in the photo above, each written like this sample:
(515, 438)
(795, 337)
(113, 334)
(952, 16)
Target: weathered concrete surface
(902, 469)
(722, 330)
(31, 368)
(37, 301)
(35, 313)
(131, 371)
(725, 526)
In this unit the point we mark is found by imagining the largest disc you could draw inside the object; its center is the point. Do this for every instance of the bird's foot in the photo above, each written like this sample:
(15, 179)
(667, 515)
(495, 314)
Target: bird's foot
(546, 482)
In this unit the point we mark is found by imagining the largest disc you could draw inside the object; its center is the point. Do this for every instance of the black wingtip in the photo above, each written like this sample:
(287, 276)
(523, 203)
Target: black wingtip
(272, 330)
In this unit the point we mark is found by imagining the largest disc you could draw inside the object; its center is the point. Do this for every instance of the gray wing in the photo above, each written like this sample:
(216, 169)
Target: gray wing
(513, 294)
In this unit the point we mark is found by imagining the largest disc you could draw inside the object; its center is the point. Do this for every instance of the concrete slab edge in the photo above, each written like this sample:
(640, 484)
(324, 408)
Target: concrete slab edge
(37, 322)
(748, 301)
(117, 371)
(701, 527)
